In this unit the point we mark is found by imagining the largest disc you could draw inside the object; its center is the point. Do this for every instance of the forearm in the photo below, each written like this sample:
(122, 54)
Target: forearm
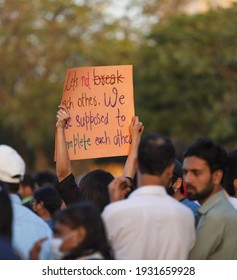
(63, 164)
(129, 167)
(135, 129)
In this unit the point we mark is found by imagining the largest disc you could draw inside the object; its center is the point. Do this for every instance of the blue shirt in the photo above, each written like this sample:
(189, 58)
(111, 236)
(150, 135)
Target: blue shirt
(192, 205)
(50, 223)
(28, 228)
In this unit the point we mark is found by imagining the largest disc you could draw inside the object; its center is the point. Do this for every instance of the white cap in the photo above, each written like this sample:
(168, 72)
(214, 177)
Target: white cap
(12, 166)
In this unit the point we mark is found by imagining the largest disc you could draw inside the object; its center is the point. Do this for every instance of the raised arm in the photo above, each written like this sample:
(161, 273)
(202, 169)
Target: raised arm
(67, 187)
(63, 164)
(136, 128)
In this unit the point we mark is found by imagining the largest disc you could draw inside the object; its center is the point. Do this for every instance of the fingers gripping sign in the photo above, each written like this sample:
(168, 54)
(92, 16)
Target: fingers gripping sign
(136, 127)
(63, 117)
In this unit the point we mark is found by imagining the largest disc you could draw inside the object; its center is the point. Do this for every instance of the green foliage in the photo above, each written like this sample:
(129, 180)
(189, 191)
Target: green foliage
(187, 77)
(185, 69)
(39, 40)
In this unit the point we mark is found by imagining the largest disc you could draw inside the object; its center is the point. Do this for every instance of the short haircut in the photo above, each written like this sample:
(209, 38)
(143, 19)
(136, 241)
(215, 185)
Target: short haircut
(155, 153)
(44, 177)
(50, 197)
(214, 155)
(28, 181)
(230, 172)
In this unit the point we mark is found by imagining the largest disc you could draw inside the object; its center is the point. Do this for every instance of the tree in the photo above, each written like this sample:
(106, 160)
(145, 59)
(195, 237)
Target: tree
(186, 82)
(38, 40)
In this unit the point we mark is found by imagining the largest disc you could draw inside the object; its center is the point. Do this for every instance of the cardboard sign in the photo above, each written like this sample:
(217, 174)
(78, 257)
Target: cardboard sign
(101, 104)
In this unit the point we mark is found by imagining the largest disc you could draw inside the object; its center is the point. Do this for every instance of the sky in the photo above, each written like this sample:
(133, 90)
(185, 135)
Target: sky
(118, 8)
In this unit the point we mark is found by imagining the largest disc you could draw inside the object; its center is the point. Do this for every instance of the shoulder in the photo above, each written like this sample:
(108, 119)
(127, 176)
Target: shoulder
(25, 217)
(117, 210)
(183, 211)
(68, 181)
(117, 206)
(222, 214)
(233, 201)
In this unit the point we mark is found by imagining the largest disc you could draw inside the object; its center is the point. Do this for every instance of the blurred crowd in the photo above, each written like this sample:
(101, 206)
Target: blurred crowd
(159, 208)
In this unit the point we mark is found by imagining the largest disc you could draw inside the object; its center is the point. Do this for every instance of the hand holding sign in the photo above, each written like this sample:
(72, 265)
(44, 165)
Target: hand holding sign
(63, 117)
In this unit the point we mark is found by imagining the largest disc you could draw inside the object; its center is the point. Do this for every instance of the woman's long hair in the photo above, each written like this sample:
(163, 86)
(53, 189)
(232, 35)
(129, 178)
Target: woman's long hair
(6, 215)
(94, 188)
(86, 215)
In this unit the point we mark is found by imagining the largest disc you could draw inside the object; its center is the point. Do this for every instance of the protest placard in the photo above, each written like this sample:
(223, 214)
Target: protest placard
(101, 104)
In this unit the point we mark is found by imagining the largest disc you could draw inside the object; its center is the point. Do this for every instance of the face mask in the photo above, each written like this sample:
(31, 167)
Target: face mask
(56, 244)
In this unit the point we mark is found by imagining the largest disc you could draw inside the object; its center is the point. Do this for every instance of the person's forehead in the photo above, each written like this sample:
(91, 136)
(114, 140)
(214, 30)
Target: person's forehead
(194, 163)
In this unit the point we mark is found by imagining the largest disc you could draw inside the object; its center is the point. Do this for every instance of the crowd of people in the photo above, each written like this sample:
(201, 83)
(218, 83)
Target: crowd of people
(159, 209)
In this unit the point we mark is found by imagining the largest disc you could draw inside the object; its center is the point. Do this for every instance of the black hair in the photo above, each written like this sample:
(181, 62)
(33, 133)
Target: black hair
(214, 155)
(50, 197)
(28, 181)
(230, 172)
(94, 187)
(177, 173)
(155, 153)
(43, 177)
(6, 215)
(85, 214)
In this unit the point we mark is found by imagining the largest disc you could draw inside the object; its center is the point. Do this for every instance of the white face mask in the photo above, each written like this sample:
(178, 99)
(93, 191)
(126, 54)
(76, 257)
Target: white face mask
(56, 244)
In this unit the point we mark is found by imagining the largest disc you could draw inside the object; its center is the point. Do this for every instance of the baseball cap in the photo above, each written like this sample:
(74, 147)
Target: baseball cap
(12, 166)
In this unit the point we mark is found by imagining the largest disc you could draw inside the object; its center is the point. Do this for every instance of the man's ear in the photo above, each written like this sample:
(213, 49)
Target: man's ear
(217, 176)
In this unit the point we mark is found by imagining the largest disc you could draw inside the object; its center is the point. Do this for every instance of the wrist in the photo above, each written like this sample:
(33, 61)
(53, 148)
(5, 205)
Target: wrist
(135, 141)
(60, 127)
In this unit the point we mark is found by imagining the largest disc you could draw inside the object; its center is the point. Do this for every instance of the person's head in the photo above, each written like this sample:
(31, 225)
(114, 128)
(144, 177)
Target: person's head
(230, 177)
(94, 187)
(46, 199)
(203, 167)
(5, 215)
(27, 186)
(12, 168)
(78, 231)
(45, 177)
(177, 183)
(156, 155)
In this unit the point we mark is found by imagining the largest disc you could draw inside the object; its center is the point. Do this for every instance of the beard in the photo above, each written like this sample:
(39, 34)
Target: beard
(192, 193)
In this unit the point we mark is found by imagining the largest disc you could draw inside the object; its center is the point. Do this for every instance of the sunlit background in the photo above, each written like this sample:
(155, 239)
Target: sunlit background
(184, 54)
